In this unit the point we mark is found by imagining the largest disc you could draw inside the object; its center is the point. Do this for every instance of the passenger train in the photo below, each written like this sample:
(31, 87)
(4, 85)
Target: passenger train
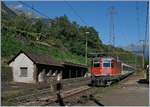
(106, 70)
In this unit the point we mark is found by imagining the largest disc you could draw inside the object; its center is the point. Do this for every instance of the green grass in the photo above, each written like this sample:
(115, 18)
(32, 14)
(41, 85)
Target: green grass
(8, 97)
(11, 46)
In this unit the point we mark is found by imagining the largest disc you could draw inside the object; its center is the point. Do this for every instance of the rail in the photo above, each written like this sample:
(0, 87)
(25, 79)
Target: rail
(67, 85)
(48, 100)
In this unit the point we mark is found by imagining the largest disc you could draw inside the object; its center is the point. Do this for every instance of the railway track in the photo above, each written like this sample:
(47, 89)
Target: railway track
(45, 97)
(52, 99)
(46, 92)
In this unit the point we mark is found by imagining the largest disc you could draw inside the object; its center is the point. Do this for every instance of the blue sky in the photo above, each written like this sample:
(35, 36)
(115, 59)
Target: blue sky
(96, 14)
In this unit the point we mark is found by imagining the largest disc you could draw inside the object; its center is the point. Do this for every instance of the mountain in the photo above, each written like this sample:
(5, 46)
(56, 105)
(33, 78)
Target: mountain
(7, 13)
(137, 49)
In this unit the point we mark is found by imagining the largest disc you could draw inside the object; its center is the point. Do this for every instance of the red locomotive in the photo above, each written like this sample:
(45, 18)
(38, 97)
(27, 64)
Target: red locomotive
(106, 70)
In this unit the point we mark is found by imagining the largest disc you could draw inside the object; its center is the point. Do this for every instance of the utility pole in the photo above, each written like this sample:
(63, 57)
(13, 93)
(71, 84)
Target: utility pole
(86, 33)
(135, 63)
(143, 45)
(139, 33)
(147, 25)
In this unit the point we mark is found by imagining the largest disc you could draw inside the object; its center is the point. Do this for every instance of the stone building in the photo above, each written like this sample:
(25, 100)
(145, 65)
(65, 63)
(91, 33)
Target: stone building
(29, 67)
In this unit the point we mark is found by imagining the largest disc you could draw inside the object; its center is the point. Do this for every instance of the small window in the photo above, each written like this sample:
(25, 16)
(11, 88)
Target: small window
(96, 64)
(23, 71)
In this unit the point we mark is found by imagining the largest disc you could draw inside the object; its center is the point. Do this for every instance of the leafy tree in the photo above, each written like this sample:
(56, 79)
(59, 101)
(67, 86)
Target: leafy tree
(63, 34)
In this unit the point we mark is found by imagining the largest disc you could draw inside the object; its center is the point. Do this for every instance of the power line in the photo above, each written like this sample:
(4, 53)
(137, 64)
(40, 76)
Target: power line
(31, 7)
(146, 27)
(74, 11)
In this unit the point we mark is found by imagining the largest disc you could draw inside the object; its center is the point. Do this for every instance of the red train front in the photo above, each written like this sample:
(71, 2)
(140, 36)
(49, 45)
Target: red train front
(104, 70)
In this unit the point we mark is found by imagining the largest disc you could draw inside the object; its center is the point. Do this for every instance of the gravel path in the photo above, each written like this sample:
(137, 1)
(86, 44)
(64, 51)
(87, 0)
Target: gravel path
(127, 93)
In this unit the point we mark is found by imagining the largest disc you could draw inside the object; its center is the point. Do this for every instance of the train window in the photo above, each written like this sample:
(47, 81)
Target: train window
(106, 64)
(96, 64)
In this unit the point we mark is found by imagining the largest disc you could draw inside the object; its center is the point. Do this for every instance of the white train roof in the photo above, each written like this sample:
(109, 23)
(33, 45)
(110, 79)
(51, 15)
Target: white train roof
(123, 64)
(106, 58)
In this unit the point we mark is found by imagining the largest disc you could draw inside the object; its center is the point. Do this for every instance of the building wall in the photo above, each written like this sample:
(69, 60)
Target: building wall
(22, 61)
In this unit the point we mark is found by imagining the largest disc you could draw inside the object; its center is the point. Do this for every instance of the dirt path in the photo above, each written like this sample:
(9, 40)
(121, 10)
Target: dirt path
(127, 93)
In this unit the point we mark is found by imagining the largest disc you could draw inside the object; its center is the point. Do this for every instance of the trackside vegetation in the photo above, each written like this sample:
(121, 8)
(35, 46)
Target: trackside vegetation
(59, 37)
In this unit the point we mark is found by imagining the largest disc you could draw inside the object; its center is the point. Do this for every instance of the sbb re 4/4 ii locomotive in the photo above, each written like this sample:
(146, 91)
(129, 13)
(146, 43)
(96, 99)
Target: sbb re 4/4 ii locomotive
(106, 70)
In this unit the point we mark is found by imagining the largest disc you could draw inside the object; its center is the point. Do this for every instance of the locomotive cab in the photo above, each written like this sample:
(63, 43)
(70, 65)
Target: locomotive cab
(107, 67)
(104, 69)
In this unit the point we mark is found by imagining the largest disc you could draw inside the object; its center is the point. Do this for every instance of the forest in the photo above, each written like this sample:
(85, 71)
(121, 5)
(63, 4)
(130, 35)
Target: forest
(58, 37)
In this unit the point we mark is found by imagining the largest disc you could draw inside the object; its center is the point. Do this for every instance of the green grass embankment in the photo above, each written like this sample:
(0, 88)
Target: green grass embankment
(11, 46)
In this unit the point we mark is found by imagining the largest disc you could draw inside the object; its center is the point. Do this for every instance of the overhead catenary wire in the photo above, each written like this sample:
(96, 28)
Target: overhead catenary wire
(31, 7)
(138, 24)
(75, 12)
(139, 33)
(34, 9)
(37, 11)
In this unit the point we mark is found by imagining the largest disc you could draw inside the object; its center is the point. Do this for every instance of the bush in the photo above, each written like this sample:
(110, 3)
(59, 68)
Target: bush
(6, 74)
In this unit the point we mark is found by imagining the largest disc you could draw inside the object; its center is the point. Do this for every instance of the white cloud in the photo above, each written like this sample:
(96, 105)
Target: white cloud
(18, 6)
(37, 17)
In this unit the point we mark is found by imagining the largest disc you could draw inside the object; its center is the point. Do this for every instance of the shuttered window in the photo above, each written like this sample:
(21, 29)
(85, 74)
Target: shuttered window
(23, 71)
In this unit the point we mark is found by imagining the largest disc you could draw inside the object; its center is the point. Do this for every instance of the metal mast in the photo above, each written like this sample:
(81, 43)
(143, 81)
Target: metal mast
(112, 13)
(146, 27)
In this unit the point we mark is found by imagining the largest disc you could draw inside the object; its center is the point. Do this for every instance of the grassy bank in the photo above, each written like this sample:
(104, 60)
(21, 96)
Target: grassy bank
(11, 46)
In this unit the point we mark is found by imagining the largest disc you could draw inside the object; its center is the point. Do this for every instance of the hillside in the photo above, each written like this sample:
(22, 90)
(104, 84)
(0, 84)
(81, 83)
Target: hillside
(16, 38)
(6, 12)
(59, 38)
(137, 49)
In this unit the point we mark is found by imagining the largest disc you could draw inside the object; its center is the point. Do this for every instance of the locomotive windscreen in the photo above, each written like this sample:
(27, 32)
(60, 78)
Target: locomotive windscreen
(96, 63)
(107, 63)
